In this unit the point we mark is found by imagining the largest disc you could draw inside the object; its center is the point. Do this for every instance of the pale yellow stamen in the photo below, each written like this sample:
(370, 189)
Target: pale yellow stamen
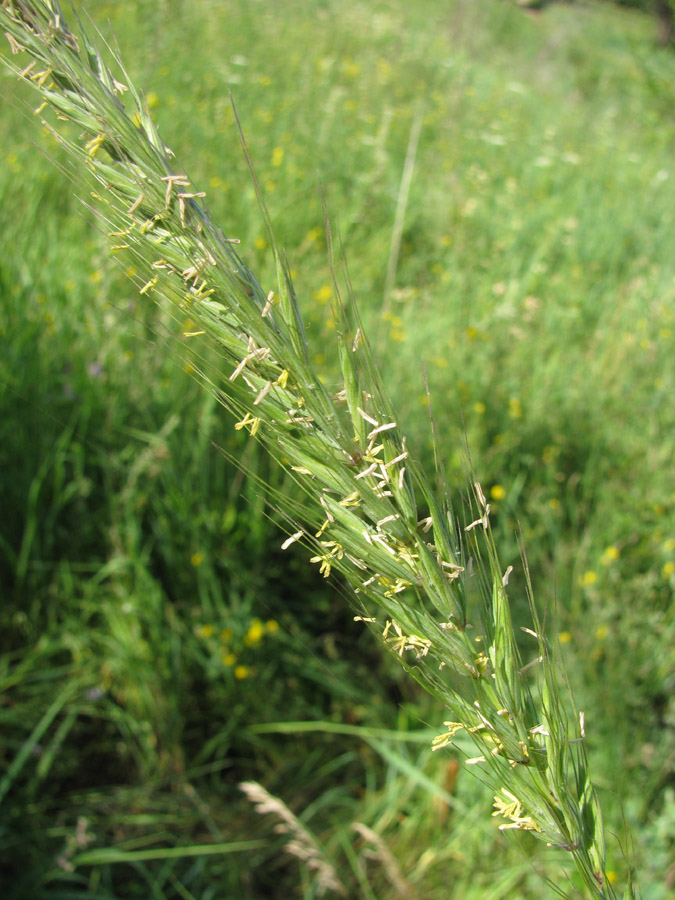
(380, 428)
(137, 202)
(179, 180)
(364, 415)
(291, 540)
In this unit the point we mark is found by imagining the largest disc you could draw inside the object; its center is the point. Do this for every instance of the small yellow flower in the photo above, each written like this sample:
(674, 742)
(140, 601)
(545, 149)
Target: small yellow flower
(479, 408)
(272, 626)
(205, 631)
(351, 68)
(497, 492)
(610, 554)
(197, 559)
(226, 635)
(668, 569)
(589, 577)
(260, 243)
(255, 633)
(152, 100)
(241, 672)
(277, 156)
(515, 408)
(229, 659)
(313, 235)
(601, 632)
(565, 637)
(554, 503)
(324, 293)
(95, 276)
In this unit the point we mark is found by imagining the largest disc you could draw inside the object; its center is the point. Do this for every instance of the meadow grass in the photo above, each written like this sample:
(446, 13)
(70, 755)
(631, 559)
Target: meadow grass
(529, 269)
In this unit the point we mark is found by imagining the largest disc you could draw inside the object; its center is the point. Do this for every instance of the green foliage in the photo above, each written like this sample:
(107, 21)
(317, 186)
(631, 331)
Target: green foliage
(535, 277)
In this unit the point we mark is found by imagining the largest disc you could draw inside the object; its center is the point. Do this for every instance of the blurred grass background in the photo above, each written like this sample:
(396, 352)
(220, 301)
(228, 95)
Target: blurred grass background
(153, 632)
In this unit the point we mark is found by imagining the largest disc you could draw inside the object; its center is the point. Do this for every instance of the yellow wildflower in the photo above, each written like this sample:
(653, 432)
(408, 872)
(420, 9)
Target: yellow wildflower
(515, 408)
(610, 554)
(255, 633)
(324, 293)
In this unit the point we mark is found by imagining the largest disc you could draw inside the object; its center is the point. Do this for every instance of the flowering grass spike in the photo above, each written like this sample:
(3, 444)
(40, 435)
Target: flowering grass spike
(426, 581)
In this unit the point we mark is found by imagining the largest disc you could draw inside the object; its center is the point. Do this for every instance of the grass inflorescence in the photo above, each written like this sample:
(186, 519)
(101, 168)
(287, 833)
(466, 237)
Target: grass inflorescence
(423, 576)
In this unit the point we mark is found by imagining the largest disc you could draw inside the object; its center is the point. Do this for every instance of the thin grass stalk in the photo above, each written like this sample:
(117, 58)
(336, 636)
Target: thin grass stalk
(368, 512)
(401, 206)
